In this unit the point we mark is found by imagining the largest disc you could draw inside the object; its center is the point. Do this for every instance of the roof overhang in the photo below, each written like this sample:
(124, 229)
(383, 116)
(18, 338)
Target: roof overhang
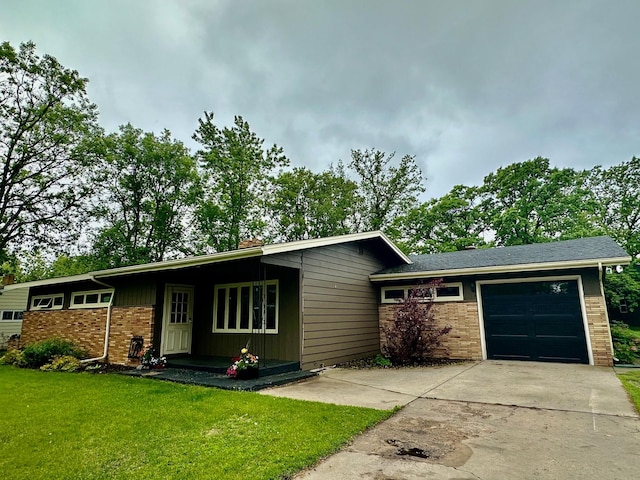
(220, 257)
(529, 267)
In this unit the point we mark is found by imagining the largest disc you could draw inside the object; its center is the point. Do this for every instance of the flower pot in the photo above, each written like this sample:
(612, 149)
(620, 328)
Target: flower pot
(247, 374)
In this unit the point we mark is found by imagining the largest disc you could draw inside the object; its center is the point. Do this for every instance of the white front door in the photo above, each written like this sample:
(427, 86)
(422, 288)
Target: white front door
(177, 319)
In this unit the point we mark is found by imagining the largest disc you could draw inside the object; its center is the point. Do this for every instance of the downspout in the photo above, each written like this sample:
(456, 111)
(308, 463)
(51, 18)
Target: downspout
(107, 327)
(606, 312)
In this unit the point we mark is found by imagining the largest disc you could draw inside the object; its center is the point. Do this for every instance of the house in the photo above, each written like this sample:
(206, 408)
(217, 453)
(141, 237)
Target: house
(542, 302)
(309, 302)
(323, 301)
(12, 305)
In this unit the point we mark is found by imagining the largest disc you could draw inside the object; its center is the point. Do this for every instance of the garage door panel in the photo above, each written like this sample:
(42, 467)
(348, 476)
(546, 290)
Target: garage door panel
(539, 321)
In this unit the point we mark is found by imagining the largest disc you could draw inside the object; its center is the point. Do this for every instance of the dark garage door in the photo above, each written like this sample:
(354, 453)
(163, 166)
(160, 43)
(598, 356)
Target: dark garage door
(540, 321)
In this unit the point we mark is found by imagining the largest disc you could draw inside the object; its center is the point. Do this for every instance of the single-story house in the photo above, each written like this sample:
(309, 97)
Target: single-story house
(13, 303)
(541, 302)
(323, 301)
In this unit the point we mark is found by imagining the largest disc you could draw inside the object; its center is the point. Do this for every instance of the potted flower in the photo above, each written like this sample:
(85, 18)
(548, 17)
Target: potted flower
(149, 360)
(245, 366)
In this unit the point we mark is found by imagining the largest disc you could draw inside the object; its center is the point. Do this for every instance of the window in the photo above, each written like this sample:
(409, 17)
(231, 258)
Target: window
(47, 302)
(11, 315)
(91, 299)
(622, 306)
(246, 307)
(445, 292)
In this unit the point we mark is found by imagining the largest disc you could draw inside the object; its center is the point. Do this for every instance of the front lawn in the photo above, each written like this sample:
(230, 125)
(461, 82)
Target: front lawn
(631, 382)
(63, 425)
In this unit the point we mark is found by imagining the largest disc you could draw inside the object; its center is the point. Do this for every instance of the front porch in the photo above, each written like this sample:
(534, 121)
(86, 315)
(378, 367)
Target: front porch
(210, 371)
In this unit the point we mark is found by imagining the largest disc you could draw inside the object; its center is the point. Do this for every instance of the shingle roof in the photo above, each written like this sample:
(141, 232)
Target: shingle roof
(570, 251)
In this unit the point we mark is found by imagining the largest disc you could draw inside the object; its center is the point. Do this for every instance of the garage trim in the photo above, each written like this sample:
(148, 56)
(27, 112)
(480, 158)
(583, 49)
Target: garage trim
(583, 307)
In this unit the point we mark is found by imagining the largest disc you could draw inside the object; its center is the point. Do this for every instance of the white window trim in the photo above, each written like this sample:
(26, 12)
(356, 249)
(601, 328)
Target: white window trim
(436, 298)
(52, 297)
(13, 314)
(97, 304)
(228, 286)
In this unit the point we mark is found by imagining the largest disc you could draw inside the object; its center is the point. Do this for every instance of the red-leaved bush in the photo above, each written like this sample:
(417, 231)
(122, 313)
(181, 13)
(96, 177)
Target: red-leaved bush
(414, 334)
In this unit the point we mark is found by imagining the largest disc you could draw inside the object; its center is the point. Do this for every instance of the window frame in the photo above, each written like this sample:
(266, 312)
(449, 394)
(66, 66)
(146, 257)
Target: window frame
(85, 294)
(227, 287)
(53, 306)
(406, 288)
(13, 315)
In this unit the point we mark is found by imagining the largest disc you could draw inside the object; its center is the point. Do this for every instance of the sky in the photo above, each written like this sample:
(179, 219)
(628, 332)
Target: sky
(465, 86)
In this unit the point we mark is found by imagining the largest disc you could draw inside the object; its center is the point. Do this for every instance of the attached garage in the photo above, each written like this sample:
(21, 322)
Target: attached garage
(540, 302)
(540, 321)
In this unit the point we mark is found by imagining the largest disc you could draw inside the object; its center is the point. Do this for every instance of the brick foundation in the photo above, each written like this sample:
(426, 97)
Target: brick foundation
(86, 327)
(463, 342)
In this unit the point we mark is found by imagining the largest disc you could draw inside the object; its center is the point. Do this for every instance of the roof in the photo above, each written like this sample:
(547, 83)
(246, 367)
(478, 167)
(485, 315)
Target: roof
(583, 252)
(220, 257)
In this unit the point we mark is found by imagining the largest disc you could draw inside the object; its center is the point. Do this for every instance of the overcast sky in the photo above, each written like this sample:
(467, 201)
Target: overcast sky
(465, 86)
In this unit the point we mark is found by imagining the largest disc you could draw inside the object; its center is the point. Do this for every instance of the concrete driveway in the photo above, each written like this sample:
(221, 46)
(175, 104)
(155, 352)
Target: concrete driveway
(487, 420)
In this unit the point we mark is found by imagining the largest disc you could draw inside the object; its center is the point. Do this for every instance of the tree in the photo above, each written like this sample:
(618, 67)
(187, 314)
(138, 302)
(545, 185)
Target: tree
(238, 173)
(307, 205)
(149, 188)
(617, 192)
(449, 223)
(386, 190)
(45, 118)
(530, 202)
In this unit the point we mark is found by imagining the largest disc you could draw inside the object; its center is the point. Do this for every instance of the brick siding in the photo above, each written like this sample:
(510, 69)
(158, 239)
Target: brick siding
(463, 342)
(599, 331)
(86, 327)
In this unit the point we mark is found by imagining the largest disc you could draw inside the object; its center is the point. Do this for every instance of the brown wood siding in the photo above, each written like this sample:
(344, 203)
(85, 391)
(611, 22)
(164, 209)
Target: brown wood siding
(340, 304)
(285, 345)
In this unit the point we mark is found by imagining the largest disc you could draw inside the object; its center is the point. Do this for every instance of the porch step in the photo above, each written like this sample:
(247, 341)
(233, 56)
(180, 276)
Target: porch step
(220, 365)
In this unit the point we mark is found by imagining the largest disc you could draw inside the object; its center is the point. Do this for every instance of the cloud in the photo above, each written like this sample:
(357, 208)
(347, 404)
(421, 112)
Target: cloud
(464, 86)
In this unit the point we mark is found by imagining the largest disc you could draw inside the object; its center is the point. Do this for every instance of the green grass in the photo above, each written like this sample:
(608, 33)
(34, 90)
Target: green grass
(63, 425)
(631, 382)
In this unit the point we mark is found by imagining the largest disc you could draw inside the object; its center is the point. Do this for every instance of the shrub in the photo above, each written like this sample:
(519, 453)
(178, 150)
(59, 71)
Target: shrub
(626, 343)
(380, 361)
(64, 363)
(12, 357)
(414, 334)
(38, 354)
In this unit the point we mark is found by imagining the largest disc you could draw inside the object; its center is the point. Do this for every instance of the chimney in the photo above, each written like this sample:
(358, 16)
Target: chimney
(254, 242)
(8, 279)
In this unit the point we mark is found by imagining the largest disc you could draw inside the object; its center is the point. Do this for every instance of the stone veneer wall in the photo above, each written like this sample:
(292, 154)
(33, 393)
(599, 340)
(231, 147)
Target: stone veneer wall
(599, 331)
(463, 342)
(86, 327)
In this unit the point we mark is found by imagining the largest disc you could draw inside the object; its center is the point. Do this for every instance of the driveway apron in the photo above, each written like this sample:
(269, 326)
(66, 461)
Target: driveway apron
(487, 420)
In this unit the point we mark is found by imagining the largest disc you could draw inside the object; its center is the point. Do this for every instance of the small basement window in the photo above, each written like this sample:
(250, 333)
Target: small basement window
(11, 315)
(47, 302)
(91, 299)
(445, 292)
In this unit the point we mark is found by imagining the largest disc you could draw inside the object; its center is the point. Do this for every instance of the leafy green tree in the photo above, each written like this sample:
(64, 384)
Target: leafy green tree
(238, 172)
(307, 205)
(149, 188)
(45, 118)
(449, 223)
(387, 190)
(617, 192)
(624, 288)
(531, 202)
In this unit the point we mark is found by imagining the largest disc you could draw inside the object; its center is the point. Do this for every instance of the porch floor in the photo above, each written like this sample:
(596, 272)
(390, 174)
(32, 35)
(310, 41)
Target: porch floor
(211, 372)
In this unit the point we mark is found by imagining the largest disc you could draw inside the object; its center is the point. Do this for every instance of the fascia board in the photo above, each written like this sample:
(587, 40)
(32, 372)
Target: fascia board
(527, 267)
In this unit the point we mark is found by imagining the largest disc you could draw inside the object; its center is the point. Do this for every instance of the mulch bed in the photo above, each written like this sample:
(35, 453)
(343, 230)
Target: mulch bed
(369, 363)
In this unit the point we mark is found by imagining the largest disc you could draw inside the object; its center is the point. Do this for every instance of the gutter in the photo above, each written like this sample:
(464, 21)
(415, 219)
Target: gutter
(107, 327)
